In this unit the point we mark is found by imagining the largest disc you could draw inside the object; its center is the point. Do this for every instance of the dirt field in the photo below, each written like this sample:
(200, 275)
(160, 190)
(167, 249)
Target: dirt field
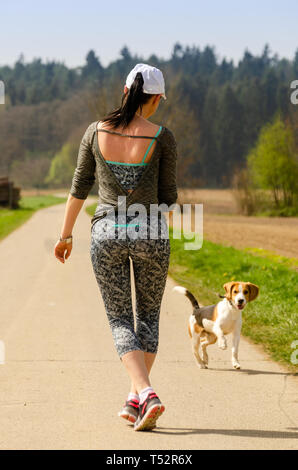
(222, 224)
(279, 235)
(216, 201)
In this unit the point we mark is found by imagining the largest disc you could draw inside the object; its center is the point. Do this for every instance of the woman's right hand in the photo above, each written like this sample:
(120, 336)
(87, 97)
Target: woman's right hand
(61, 248)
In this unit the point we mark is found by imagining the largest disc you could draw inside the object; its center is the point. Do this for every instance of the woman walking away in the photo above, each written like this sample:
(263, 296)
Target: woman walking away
(136, 164)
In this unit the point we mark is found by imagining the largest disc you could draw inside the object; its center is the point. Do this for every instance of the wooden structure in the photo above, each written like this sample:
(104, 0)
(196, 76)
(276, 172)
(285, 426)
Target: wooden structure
(9, 195)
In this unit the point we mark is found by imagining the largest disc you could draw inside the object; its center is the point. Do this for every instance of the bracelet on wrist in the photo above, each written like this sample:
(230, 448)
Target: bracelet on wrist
(66, 240)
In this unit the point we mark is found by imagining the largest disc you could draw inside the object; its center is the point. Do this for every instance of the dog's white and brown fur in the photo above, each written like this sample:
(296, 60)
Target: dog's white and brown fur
(211, 323)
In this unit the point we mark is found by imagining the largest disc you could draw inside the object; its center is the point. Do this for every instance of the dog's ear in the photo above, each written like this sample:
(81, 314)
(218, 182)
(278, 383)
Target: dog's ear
(228, 286)
(253, 291)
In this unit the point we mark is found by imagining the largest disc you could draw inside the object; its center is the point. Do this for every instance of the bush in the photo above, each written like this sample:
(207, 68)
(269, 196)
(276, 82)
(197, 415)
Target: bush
(248, 199)
(273, 164)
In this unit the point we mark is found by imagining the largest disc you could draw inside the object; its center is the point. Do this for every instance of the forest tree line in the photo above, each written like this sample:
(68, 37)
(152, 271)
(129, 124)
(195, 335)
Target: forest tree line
(216, 110)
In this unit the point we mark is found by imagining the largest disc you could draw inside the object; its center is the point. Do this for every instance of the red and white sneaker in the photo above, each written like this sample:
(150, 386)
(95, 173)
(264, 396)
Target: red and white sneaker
(130, 411)
(149, 412)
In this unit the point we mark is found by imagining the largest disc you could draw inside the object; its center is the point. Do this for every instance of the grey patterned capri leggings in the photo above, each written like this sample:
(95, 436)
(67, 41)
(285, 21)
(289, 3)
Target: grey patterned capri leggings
(111, 265)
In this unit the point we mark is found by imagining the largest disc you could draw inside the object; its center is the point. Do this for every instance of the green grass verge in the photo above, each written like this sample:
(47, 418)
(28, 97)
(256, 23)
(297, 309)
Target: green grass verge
(10, 219)
(288, 262)
(272, 319)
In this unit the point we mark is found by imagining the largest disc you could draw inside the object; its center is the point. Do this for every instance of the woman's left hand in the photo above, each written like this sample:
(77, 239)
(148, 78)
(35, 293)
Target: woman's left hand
(60, 249)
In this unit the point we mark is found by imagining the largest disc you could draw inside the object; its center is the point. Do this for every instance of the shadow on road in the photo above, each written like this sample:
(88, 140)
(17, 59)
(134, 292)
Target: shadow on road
(230, 432)
(255, 372)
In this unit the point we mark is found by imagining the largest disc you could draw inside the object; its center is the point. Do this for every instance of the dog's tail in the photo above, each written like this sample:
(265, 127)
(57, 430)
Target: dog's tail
(188, 294)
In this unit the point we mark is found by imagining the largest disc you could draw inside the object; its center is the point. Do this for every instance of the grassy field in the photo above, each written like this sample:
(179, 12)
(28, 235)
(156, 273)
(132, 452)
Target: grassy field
(271, 320)
(10, 219)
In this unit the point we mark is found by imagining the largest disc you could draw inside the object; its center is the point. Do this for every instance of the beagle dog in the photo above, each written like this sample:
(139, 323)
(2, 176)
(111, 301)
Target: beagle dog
(211, 323)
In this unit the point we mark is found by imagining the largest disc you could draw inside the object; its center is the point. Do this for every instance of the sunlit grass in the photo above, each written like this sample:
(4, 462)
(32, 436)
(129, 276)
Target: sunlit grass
(10, 219)
(272, 319)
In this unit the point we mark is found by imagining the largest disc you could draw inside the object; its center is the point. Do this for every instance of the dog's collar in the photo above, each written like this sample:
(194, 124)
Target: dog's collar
(224, 297)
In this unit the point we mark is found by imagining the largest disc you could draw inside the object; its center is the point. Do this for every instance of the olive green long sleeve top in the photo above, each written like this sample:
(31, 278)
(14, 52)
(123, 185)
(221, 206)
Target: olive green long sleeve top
(157, 185)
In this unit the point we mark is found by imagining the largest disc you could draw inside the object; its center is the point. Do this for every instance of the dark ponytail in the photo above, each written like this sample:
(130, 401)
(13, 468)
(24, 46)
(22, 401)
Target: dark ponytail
(134, 99)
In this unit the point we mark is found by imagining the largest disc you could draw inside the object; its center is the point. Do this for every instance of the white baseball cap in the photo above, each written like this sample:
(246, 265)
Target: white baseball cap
(154, 83)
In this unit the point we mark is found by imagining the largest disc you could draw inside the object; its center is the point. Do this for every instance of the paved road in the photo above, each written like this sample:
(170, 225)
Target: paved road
(62, 383)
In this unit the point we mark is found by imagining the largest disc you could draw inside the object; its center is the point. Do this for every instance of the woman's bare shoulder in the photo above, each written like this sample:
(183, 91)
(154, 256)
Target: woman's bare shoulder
(153, 127)
(148, 128)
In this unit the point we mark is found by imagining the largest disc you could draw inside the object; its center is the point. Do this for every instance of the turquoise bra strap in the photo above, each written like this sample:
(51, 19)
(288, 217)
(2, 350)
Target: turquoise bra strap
(151, 144)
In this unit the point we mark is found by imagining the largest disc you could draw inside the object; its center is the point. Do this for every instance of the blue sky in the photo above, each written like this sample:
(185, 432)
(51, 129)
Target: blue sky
(66, 30)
